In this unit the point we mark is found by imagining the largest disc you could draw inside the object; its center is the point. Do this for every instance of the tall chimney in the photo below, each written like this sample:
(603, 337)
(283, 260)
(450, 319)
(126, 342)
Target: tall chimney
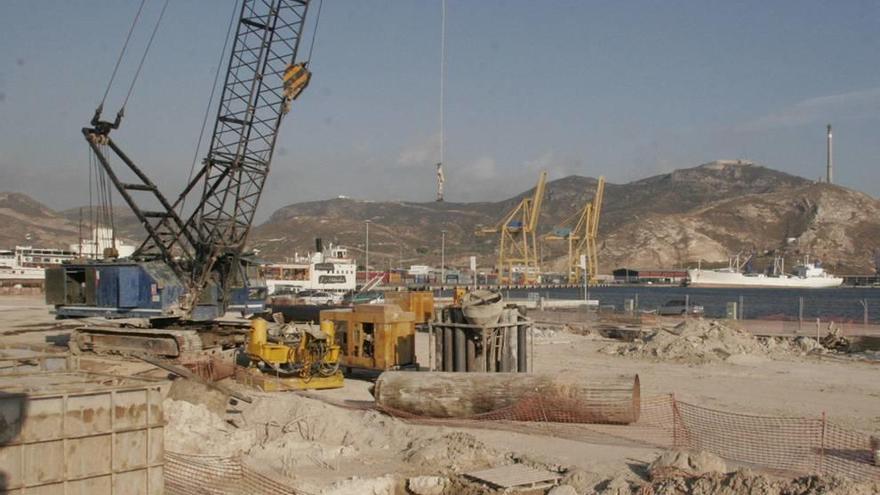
(829, 169)
(319, 245)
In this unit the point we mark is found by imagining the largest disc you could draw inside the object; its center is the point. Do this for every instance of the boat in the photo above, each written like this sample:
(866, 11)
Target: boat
(807, 275)
(28, 264)
(330, 270)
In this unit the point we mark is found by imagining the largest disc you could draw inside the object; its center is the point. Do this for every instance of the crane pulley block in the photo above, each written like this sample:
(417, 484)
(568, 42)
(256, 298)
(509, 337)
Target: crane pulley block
(296, 78)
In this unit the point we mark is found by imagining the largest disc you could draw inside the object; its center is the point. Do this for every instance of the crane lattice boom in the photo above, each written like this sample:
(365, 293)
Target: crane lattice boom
(262, 79)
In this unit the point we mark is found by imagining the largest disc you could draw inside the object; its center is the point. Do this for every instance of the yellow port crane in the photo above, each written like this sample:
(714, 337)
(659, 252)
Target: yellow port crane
(517, 248)
(582, 237)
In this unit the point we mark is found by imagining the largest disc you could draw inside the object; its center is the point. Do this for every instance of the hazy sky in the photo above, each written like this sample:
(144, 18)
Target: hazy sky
(625, 89)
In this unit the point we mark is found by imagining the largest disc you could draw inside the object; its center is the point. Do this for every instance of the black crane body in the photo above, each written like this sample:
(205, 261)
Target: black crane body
(191, 269)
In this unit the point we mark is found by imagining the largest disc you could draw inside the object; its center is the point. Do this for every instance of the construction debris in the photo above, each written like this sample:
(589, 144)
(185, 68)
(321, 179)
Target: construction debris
(515, 476)
(834, 340)
(677, 463)
(699, 341)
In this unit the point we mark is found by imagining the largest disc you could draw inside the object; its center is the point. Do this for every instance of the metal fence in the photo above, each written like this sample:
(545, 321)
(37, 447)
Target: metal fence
(843, 305)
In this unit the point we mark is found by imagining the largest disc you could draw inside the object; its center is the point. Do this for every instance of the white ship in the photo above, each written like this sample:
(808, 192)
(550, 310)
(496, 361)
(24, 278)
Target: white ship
(327, 270)
(26, 263)
(806, 275)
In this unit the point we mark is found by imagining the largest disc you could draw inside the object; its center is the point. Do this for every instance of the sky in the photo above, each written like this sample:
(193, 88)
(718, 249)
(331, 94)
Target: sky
(621, 89)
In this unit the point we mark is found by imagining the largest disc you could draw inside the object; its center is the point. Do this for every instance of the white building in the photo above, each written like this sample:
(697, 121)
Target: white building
(102, 238)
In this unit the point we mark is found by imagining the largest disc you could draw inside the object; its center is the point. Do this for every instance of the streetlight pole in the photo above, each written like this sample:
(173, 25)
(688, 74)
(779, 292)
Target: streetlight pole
(442, 258)
(367, 254)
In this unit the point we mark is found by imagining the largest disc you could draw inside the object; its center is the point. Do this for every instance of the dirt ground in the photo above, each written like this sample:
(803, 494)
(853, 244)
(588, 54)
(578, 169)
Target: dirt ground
(326, 449)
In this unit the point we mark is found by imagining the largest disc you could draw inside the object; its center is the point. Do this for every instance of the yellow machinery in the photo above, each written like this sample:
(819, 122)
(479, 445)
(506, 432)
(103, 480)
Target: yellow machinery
(293, 356)
(582, 238)
(418, 302)
(458, 294)
(374, 336)
(517, 246)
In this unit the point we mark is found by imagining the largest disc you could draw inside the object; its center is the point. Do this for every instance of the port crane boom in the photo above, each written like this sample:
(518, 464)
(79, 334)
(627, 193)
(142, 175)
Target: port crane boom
(582, 238)
(517, 249)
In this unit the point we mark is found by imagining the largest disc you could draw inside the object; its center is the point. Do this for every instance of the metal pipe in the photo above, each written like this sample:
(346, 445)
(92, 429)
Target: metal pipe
(460, 357)
(470, 352)
(521, 354)
(829, 165)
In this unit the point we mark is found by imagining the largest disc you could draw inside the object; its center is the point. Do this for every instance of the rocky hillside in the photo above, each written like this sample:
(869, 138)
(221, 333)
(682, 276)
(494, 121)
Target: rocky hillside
(26, 221)
(701, 213)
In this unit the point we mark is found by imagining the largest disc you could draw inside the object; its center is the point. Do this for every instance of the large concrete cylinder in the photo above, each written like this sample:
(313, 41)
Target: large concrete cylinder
(566, 397)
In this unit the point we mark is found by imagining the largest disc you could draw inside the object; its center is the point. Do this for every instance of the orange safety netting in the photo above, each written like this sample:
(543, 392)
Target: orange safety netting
(785, 444)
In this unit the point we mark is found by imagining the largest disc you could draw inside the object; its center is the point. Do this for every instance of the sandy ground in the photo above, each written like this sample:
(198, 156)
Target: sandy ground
(793, 386)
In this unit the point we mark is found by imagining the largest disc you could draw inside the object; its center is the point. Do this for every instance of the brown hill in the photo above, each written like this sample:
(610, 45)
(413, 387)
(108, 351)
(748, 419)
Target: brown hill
(26, 221)
(701, 213)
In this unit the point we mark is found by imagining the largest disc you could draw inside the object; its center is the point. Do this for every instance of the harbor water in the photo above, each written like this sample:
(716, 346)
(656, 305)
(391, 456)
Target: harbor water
(839, 304)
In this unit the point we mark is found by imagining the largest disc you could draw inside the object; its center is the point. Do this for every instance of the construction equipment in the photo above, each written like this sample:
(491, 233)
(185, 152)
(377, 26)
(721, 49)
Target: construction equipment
(582, 238)
(374, 336)
(192, 269)
(295, 356)
(418, 302)
(517, 249)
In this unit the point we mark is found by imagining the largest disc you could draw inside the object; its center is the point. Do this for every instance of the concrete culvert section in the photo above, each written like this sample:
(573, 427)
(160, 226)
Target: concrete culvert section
(566, 397)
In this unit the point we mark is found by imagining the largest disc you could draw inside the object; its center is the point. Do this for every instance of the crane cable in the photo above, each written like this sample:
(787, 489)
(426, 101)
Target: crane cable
(315, 31)
(144, 56)
(122, 52)
(195, 159)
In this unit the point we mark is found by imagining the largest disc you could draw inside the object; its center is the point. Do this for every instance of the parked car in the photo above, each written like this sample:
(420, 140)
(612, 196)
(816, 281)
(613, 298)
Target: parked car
(318, 297)
(679, 307)
(368, 297)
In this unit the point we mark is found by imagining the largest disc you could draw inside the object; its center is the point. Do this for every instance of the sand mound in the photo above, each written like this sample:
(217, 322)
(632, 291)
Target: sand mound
(699, 341)
(385, 485)
(295, 431)
(193, 429)
(450, 452)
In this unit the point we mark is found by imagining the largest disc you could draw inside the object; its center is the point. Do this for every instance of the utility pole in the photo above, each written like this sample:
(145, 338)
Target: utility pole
(367, 253)
(829, 164)
(442, 258)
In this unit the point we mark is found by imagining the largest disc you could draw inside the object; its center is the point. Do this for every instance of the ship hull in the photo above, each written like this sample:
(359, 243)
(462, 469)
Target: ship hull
(709, 278)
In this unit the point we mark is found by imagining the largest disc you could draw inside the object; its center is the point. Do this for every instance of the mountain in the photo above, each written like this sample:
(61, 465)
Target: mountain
(704, 213)
(26, 222)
